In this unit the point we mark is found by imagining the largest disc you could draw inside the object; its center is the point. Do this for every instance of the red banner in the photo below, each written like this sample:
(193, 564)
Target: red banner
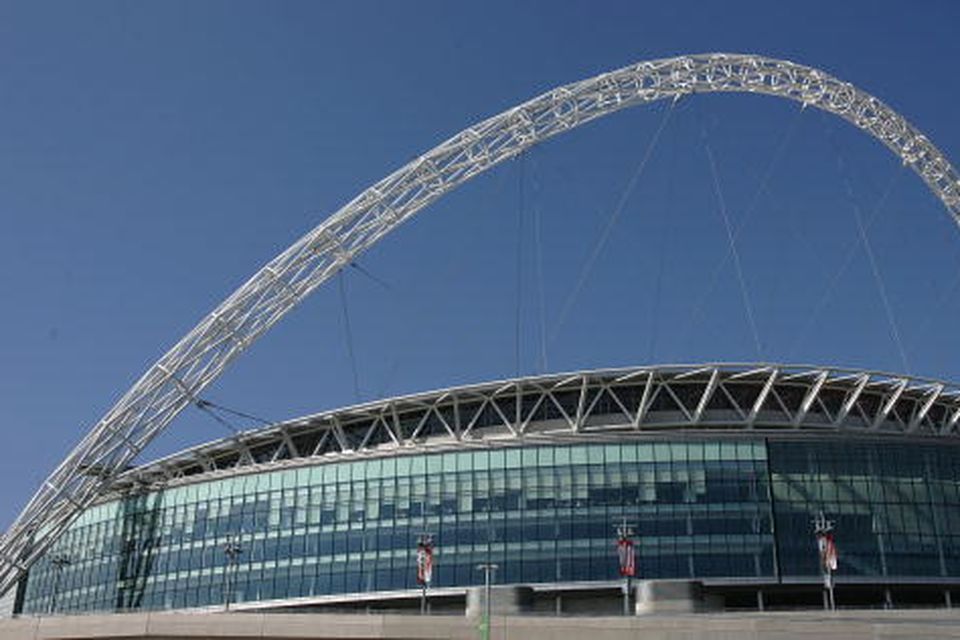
(424, 563)
(627, 556)
(828, 551)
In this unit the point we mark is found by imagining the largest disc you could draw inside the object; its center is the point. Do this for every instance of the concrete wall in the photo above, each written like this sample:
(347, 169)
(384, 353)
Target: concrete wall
(6, 603)
(507, 600)
(848, 625)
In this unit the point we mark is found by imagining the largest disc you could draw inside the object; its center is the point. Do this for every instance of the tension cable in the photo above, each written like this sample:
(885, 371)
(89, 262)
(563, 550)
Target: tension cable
(942, 300)
(207, 404)
(519, 306)
(383, 283)
(868, 249)
(762, 187)
(611, 221)
(348, 335)
(722, 207)
(202, 405)
(665, 235)
(851, 253)
(538, 250)
(211, 408)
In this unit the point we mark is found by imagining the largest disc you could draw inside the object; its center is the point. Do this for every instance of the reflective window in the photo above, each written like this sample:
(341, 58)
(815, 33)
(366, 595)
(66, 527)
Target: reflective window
(896, 507)
(701, 508)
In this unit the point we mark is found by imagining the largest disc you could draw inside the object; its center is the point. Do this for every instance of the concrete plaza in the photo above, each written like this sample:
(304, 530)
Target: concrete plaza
(849, 625)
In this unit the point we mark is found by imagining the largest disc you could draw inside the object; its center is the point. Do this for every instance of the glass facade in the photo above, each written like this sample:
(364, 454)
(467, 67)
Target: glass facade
(544, 513)
(897, 507)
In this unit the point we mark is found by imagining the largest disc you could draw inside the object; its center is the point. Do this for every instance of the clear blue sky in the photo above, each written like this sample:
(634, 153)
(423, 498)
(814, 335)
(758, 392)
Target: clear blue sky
(154, 155)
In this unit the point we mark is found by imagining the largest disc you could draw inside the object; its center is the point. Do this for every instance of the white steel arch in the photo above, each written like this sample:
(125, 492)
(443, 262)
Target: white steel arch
(195, 361)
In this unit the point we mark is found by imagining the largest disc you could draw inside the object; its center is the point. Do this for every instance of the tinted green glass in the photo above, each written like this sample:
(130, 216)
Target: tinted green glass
(701, 508)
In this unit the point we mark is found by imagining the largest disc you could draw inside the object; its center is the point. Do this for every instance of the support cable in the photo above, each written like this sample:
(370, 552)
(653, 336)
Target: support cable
(386, 286)
(765, 177)
(348, 334)
(799, 238)
(934, 312)
(383, 283)
(611, 221)
(670, 209)
(851, 253)
(722, 207)
(387, 379)
(203, 406)
(538, 251)
(202, 403)
(868, 249)
(211, 408)
(942, 300)
(519, 306)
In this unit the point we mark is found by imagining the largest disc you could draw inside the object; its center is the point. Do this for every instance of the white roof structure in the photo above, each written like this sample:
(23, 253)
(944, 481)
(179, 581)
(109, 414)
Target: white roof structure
(752, 399)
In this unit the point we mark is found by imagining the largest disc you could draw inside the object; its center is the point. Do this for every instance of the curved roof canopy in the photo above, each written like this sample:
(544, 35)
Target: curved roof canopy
(626, 402)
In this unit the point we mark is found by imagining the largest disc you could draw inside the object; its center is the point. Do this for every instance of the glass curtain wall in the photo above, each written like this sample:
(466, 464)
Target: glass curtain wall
(543, 513)
(896, 507)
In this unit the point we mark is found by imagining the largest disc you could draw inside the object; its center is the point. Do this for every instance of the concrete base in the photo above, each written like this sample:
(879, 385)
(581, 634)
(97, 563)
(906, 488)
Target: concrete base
(673, 597)
(807, 625)
(507, 600)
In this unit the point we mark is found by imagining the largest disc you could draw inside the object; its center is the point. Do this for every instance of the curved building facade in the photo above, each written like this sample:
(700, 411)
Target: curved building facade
(719, 470)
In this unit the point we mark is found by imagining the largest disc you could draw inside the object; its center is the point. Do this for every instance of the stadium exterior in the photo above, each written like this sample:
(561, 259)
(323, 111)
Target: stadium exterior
(719, 468)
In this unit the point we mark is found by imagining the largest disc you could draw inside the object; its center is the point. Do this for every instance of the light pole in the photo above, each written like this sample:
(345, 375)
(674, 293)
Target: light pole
(424, 567)
(626, 554)
(59, 561)
(232, 550)
(827, 547)
(488, 571)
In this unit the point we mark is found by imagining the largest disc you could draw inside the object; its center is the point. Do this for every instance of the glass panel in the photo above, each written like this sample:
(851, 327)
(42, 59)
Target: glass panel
(545, 513)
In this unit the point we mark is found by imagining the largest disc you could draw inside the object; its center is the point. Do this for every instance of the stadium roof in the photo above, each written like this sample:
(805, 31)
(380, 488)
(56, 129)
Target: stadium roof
(640, 400)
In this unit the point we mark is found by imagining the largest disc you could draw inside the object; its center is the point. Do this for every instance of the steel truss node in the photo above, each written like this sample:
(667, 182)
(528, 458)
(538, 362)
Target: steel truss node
(182, 373)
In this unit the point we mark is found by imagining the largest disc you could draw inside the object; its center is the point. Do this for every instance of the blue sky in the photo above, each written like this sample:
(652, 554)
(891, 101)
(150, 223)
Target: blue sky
(154, 155)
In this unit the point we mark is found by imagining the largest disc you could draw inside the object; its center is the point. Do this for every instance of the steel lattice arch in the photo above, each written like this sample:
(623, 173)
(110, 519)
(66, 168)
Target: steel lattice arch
(176, 380)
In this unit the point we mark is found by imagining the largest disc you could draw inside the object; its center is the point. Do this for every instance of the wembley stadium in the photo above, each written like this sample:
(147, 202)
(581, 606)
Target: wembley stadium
(719, 468)
(758, 483)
